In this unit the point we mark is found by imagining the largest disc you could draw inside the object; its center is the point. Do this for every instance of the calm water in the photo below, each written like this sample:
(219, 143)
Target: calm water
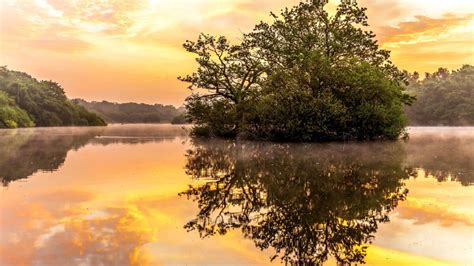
(149, 195)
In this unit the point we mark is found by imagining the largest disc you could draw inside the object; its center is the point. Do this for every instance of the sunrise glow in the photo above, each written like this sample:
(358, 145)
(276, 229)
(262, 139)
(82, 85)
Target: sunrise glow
(131, 50)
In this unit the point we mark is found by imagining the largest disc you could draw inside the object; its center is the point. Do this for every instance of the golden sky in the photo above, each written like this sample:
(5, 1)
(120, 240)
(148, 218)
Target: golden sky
(130, 50)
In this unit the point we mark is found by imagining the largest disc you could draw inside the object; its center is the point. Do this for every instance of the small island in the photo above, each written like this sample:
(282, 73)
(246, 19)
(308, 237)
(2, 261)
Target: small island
(311, 76)
(307, 76)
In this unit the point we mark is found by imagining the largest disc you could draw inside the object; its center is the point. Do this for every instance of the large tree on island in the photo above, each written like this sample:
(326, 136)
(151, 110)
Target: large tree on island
(307, 76)
(231, 75)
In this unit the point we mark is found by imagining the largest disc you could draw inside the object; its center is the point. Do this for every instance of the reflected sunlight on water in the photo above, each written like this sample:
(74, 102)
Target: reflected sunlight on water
(75, 196)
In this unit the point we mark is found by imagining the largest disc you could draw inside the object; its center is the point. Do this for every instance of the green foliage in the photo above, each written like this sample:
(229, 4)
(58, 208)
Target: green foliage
(443, 98)
(12, 116)
(307, 76)
(212, 116)
(180, 119)
(132, 112)
(44, 101)
(330, 102)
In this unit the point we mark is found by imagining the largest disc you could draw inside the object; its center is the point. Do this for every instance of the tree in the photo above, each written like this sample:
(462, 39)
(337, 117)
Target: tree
(44, 102)
(131, 112)
(11, 115)
(299, 78)
(444, 98)
(230, 75)
(308, 27)
(180, 120)
(318, 101)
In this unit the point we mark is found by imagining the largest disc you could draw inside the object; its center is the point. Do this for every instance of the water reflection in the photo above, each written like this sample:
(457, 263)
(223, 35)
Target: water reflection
(113, 199)
(443, 156)
(306, 202)
(27, 151)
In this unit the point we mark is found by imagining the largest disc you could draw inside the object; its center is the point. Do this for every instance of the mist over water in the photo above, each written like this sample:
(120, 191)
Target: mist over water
(141, 188)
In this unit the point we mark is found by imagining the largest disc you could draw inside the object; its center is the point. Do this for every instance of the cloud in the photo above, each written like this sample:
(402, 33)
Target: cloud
(422, 29)
(426, 44)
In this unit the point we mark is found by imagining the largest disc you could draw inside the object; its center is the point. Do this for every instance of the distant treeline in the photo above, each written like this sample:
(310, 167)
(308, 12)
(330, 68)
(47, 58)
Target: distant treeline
(444, 98)
(26, 102)
(135, 112)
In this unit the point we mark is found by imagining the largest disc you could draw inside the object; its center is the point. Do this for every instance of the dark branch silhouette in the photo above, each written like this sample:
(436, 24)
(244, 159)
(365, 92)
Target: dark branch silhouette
(305, 202)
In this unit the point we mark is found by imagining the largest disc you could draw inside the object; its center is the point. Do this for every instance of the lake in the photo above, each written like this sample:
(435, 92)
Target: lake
(150, 195)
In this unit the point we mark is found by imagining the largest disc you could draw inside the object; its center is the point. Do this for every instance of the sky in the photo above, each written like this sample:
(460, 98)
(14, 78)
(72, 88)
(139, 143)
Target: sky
(131, 50)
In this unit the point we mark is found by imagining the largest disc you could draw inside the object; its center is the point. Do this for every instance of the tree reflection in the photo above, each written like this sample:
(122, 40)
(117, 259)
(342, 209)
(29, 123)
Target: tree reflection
(24, 152)
(305, 202)
(444, 158)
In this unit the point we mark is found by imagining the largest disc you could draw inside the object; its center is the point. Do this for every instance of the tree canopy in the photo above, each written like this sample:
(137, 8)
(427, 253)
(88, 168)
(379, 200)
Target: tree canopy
(444, 98)
(134, 112)
(25, 102)
(12, 116)
(307, 76)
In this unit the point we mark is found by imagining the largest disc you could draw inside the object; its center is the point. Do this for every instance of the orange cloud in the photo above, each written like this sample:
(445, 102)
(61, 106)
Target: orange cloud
(422, 26)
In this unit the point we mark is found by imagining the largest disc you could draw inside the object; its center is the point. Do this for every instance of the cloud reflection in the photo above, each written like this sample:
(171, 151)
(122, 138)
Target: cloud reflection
(69, 232)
